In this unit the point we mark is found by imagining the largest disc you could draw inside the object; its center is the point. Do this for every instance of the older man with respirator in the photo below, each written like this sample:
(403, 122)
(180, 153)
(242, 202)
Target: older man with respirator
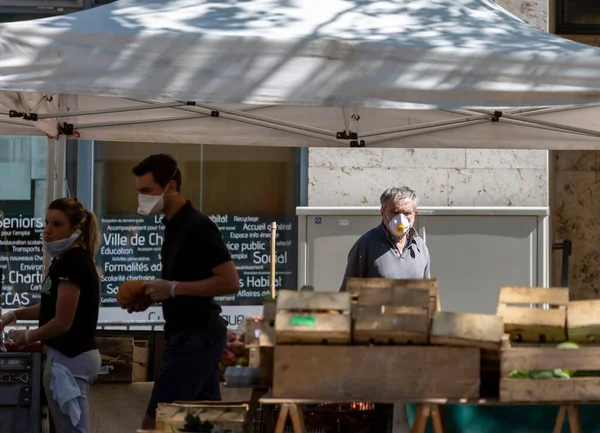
(393, 249)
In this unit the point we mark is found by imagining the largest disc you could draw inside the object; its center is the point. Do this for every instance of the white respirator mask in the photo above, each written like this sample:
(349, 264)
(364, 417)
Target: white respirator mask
(399, 226)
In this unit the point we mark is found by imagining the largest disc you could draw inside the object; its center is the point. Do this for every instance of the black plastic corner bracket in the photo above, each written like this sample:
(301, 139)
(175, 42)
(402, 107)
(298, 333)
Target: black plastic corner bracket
(357, 143)
(343, 135)
(214, 113)
(191, 103)
(497, 115)
(33, 116)
(66, 129)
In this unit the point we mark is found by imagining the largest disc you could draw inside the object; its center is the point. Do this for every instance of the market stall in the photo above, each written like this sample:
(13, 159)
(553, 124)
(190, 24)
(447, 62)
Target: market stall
(345, 73)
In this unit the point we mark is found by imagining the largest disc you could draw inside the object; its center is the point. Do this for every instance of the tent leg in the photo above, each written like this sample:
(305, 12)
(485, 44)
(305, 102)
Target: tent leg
(50, 165)
(60, 166)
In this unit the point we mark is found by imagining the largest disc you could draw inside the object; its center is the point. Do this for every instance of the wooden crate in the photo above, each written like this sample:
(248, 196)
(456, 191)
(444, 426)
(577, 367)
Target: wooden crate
(583, 321)
(525, 319)
(267, 329)
(225, 416)
(466, 329)
(575, 389)
(375, 373)
(305, 317)
(392, 311)
(123, 359)
(490, 369)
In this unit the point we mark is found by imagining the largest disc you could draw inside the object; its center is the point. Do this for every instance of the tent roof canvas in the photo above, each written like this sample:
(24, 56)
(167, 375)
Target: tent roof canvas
(261, 71)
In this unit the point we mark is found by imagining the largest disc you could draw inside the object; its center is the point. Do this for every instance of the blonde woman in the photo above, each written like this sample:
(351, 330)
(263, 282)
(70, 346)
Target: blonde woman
(67, 314)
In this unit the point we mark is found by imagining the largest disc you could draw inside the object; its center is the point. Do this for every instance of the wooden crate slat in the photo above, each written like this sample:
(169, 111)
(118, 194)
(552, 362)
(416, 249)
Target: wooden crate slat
(404, 296)
(467, 329)
(342, 373)
(533, 295)
(305, 300)
(531, 358)
(353, 285)
(583, 321)
(372, 325)
(534, 324)
(580, 389)
(333, 328)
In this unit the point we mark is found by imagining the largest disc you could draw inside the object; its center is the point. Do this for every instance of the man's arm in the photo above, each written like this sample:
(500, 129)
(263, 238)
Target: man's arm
(225, 281)
(356, 266)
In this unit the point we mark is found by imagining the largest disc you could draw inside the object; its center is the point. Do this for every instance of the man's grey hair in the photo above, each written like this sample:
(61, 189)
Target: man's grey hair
(399, 195)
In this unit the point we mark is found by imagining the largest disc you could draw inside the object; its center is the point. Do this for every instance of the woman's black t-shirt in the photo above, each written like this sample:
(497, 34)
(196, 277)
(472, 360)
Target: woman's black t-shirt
(76, 266)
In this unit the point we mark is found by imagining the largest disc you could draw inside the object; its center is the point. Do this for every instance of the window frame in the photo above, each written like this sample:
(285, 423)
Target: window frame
(565, 28)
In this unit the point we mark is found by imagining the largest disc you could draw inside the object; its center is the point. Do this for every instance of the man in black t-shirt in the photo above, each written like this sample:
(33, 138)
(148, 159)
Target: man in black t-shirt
(196, 267)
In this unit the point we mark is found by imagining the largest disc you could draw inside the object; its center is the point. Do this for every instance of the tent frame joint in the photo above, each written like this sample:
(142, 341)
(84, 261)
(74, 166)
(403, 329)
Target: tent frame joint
(357, 143)
(497, 115)
(66, 129)
(345, 135)
(18, 114)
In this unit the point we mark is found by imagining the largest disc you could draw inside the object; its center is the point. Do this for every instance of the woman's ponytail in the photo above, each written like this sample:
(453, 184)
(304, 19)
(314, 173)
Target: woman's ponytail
(91, 234)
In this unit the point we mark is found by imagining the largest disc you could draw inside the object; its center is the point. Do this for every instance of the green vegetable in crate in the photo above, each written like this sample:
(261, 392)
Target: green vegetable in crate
(568, 345)
(557, 373)
(193, 424)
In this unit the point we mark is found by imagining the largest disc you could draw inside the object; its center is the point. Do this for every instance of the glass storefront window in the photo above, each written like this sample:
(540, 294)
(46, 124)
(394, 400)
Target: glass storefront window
(22, 205)
(243, 189)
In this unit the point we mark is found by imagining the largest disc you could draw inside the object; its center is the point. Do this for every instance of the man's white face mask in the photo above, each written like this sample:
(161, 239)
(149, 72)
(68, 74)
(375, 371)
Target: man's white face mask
(151, 204)
(399, 225)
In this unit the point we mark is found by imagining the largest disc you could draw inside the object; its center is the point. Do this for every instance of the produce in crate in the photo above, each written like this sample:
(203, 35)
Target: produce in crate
(235, 353)
(556, 373)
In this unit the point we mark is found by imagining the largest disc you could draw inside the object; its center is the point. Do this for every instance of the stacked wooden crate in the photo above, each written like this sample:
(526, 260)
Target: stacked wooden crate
(260, 341)
(202, 416)
(538, 320)
(124, 359)
(370, 343)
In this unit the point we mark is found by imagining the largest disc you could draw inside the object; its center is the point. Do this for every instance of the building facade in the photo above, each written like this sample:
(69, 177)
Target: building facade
(273, 182)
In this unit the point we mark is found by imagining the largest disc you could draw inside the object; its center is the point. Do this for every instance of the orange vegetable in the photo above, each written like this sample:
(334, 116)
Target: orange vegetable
(129, 292)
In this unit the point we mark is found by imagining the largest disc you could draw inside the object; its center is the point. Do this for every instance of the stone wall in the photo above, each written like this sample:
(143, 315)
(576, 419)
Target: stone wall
(575, 209)
(575, 215)
(442, 177)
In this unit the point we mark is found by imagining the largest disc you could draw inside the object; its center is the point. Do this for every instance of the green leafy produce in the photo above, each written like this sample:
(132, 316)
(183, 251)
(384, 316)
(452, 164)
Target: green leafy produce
(195, 425)
(541, 374)
(557, 373)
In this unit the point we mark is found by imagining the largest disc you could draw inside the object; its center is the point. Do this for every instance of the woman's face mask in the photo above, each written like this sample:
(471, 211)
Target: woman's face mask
(56, 248)
(399, 226)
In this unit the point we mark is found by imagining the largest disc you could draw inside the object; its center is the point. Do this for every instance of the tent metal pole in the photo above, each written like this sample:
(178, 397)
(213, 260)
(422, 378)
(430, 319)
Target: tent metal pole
(527, 124)
(419, 132)
(330, 138)
(553, 125)
(50, 164)
(263, 119)
(460, 121)
(110, 111)
(17, 122)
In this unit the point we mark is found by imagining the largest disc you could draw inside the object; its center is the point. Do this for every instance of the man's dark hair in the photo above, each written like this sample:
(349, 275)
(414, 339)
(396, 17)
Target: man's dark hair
(163, 168)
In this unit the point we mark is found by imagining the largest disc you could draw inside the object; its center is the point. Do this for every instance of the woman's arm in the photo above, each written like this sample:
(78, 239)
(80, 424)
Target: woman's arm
(28, 313)
(66, 306)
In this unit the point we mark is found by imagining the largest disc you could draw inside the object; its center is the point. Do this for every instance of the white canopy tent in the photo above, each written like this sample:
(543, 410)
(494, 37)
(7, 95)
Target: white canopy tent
(396, 73)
